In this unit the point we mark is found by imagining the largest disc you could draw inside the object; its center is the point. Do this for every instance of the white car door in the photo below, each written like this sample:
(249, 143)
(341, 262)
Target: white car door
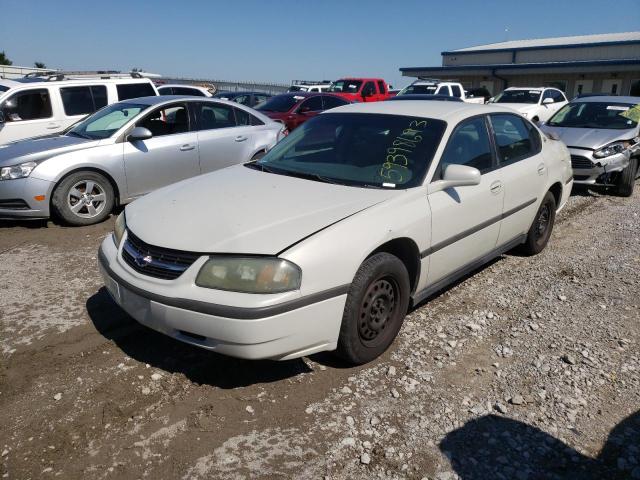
(465, 221)
(28, 113)
(224, 137)
(169, 156)
(523, 172)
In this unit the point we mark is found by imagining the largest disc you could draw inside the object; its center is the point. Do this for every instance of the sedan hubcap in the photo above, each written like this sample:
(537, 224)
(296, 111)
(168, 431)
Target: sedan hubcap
(377, 309)
(86, 199)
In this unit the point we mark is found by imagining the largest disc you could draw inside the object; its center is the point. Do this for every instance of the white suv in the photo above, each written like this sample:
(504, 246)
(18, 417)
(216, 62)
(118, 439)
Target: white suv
(43, 105)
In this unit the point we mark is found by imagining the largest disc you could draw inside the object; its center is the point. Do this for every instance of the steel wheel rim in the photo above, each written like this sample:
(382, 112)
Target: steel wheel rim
(377, 310)
(542, 222)
(86, 199)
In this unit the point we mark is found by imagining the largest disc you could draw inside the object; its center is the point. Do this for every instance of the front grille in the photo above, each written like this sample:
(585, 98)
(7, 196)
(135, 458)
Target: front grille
(153, 261)
(14, 204)
(581, 163)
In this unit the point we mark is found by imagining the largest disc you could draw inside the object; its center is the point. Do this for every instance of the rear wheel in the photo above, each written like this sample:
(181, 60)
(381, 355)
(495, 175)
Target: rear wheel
(627, 179)
(83, 198)
(375, 309)
(540, 231)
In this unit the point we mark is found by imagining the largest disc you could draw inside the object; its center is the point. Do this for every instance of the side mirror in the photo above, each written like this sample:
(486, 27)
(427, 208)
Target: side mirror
(139, 133)
(547, 101)
(456, 176)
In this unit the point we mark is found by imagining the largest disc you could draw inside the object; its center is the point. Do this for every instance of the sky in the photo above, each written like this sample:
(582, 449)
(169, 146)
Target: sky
(277, 40)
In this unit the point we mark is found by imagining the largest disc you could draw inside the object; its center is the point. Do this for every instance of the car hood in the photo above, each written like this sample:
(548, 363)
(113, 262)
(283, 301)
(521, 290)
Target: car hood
(241, 210)
(41, 148)
(593, 138)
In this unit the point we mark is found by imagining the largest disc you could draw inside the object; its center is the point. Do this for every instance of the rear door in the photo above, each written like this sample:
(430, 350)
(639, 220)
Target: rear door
(522, 170)
(169, 156)
(30, 113)
(224, 137)
(465, 221)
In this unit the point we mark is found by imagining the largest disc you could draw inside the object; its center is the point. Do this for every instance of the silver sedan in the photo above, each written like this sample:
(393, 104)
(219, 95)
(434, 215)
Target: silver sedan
(126, 150)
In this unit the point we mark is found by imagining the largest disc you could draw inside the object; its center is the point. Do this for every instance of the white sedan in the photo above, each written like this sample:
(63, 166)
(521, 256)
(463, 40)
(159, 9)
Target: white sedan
(536, 104)
(328, 240)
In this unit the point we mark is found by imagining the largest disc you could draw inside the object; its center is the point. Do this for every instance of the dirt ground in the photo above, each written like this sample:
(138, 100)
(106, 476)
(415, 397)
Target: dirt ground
(527, 369)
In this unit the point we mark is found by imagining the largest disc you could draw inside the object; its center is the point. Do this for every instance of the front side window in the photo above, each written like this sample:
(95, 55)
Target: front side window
(369, 89)
(169, 120)
(515, 138)
(215, 115)
(346, 86)
(107, 121)
(165, 90)
(468, 145)
(27, 105)
(444, 90)
(368, 150)
(608, 115)
(518, 96)
(134, 90)
(83, 100)
(313, 104)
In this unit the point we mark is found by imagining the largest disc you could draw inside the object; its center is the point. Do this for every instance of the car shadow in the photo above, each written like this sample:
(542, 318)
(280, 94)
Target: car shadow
(35, 223)
(198, 365)
(495, 447)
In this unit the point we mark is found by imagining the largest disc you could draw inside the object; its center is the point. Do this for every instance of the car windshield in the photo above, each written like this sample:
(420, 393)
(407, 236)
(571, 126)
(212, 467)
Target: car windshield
(606, 115)
(518, 96)
(421, 89)
(107, 121)
(345, 86)
(280, 103)
(367, 150)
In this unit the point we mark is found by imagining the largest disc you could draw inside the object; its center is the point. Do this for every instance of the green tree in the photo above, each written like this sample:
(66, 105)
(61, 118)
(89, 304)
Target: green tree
(4, 60)
(39, 65)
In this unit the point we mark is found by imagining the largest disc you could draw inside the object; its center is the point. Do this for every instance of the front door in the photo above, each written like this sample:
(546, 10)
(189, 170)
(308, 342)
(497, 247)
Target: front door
(29, 113)
(523, 172)
(169, 156)
(465, 221)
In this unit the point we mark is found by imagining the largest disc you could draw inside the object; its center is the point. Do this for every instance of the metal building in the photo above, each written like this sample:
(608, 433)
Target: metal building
(605, 63)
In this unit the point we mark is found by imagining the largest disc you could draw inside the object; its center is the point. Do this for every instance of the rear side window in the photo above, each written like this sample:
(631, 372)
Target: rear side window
(369, 89)
(28, 105)
(134, 90)
(381, 88)
(244, 118)
(215, 115)
(83, 100)
(331, 102)
(515, 138)
(165, 90)
(468, 145)
(444, 90)
(314, 104)
(187, 91)
(455, 89)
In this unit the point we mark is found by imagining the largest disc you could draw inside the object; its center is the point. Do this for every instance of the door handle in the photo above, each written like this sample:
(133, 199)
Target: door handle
(51, 126)
(187, 147)
(541, 169)
(240, 138)
(496, 187)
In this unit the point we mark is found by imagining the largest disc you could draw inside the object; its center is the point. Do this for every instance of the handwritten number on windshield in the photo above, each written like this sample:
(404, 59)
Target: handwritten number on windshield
(397, 160)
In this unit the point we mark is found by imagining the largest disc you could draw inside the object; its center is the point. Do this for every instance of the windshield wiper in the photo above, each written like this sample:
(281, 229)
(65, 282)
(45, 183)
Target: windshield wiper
(293, 173)
(76, 134)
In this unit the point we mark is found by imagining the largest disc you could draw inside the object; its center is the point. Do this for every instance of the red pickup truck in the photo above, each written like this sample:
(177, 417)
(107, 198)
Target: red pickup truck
(361, 89)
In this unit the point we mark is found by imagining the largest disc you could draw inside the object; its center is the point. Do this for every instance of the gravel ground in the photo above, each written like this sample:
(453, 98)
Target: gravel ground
(527, 369)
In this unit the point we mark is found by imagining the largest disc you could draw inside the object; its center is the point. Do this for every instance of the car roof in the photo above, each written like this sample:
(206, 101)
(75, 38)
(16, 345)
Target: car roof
(73, 81)
(531, 88)
(447, 111)
(608, 98)
(425, 96)
(181, 85)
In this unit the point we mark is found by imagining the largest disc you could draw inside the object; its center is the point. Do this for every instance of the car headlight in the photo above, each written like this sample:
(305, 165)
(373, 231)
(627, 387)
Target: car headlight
(119, 229)
(249, 274)
(611, 149)
(17, 171)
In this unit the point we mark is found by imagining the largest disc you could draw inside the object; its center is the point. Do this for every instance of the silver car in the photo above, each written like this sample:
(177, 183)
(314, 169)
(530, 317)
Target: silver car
(126, 150)
(603, 136)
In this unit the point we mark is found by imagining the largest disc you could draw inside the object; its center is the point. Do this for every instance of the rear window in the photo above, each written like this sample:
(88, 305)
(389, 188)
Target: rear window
(135, 90)
(187, 91)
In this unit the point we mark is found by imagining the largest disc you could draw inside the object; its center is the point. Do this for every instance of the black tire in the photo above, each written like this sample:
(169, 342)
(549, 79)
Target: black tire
(377, 303)
(542, 226)
(627, 179)
(83, 208)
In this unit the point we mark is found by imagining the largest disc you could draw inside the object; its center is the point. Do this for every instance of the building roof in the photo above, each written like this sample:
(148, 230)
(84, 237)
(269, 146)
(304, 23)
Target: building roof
(579, 40)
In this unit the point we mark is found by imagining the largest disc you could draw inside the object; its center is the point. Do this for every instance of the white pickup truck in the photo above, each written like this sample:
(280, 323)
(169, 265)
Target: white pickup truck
(437, 87)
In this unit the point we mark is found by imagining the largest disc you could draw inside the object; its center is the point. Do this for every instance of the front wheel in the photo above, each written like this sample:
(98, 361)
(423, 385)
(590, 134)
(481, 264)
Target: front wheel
(627, 179)
(540, 231)
(376, 305)
(83, 198)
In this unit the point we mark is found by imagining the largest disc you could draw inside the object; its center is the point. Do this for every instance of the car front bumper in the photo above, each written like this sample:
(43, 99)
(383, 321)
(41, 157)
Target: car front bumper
(247, 331)
(17, 198)
(588, 170)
